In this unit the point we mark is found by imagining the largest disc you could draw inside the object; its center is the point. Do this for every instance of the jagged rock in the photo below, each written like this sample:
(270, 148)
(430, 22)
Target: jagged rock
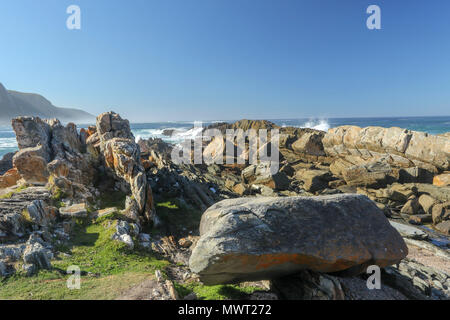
(41, 214)
(412, 206)
(442, 180)
(64, 139)
(111, 125)
(11, 219)
(32, 164)
(309, 143)
(36, 254)
(427, 203)
(417, 281)
(58, 168)
(375, 175)
(313, 180)
(261, 174)
(440, 212)
(12, 252)
(10, 178)
(74, 211)
(253, 239)
(401, 193)
(122, 155)
(157, 151)
(31, 132)
(49, 149)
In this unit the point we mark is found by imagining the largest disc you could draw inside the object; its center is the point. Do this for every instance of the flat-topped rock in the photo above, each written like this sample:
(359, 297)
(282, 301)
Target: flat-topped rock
(255, 239)
(74, 211)
(371, 141)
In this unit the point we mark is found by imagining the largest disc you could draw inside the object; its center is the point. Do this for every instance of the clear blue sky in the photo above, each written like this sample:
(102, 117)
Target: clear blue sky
(157, 60)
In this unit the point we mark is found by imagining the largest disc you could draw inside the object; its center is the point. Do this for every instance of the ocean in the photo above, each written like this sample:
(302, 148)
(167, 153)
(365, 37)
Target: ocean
(184, 129)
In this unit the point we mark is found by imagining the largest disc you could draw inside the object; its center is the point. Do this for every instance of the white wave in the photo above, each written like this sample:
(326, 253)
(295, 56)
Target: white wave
(318, 124)
(178, 135)
(191, 133)
(8, 143)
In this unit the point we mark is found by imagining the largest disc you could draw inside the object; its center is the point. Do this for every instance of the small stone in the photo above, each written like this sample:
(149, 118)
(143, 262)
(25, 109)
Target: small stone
(185, 242)
(144, 237)
(123, 227)
(126, 238)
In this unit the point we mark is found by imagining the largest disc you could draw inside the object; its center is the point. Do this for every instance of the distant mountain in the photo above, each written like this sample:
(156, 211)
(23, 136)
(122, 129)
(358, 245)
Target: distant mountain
(14, 104)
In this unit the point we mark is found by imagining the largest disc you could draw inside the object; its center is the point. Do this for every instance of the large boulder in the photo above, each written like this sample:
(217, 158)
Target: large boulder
(32, 131)
(32, 164)
(309, 143)
(253, 239)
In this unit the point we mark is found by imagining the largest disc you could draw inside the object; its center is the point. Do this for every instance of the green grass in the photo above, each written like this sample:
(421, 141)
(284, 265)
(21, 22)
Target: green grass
(115, 268)
(94, 251)
(173, 213)
(218, 292)
(108, 267)
(51, 285)
(113, 199)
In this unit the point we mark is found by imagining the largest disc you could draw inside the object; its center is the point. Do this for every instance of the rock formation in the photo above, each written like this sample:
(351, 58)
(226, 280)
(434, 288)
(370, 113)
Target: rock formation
(265, 238)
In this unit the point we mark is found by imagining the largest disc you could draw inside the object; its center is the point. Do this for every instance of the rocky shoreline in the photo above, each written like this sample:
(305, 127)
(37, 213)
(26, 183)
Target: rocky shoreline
(373, 195)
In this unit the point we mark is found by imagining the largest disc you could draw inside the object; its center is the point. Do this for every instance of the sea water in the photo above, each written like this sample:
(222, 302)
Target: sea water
(184, 129)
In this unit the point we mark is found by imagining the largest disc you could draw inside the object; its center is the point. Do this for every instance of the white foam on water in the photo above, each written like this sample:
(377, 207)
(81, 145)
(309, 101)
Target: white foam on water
(8, 143)
(318, 124)
(179, 134)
